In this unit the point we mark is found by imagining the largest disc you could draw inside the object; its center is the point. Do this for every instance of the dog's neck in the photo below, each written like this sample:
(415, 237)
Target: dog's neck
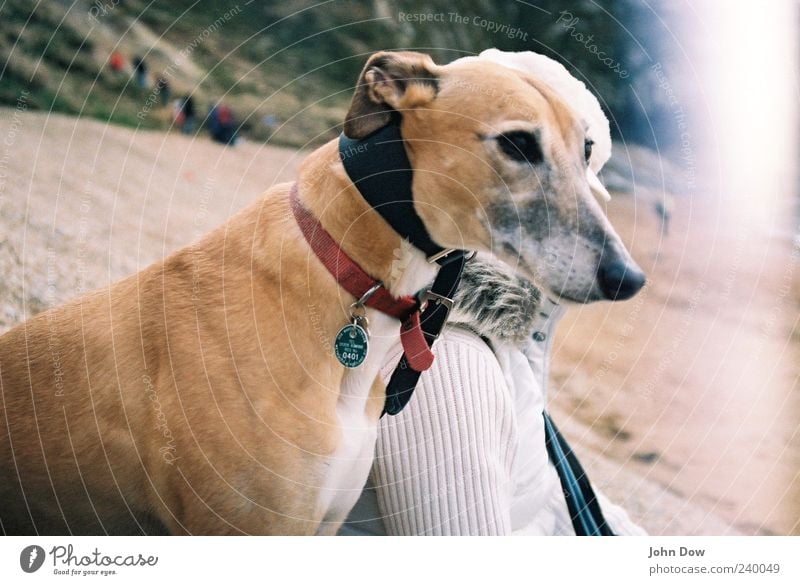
(358, 229)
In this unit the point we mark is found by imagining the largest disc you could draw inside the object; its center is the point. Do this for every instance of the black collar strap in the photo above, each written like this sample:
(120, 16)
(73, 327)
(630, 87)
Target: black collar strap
(439, 301)
(379, 168)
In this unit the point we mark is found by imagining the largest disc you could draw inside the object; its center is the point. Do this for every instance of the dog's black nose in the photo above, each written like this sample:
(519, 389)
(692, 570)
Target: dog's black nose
(620, 280)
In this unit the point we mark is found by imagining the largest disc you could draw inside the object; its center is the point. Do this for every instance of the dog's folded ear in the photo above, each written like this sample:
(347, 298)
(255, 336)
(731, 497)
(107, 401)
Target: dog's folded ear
(390, 81)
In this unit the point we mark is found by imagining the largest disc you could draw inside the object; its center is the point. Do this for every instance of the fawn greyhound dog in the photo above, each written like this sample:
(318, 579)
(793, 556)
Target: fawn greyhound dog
(201, 395)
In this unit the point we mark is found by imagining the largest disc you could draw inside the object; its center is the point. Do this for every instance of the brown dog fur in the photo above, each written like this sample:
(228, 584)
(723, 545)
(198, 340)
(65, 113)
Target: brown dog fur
(201, 395)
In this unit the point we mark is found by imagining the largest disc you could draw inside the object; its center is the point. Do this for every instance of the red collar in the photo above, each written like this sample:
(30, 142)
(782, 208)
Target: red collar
(355, 281)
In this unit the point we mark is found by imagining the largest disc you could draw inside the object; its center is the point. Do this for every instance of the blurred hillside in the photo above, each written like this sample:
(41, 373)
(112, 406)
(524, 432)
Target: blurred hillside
(296, 61)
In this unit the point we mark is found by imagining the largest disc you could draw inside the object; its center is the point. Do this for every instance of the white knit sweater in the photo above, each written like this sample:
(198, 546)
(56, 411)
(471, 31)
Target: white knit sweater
(467, 455)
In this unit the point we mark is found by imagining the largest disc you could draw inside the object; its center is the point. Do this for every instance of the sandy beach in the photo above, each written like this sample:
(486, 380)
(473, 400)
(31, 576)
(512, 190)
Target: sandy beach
(693, 385)
(682, 402)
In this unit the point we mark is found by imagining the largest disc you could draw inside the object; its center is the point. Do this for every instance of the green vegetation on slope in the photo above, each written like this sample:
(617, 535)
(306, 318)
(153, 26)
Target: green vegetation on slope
(298, 60)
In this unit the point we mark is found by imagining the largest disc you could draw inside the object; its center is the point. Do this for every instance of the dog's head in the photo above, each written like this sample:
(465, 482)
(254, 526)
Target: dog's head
(499, 165)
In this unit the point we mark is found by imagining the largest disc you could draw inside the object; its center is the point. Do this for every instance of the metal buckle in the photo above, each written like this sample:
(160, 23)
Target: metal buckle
(371, 291)
(445, 253)
(429, 296)
(439, 255)
(358, 310)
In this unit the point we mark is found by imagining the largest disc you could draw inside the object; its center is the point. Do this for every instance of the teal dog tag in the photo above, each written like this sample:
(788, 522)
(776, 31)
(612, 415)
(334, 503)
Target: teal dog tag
(351, 345)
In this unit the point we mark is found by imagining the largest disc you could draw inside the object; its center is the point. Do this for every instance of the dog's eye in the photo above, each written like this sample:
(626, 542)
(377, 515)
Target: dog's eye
(587, 149)
(521, 146)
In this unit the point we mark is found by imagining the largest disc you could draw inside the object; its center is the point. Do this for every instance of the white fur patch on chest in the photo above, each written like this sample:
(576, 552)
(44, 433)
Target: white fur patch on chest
(349, 465)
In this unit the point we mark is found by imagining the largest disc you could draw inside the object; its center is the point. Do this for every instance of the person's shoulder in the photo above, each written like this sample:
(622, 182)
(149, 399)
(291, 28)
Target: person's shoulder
(464, 354)
(466, 382)
(459, 336)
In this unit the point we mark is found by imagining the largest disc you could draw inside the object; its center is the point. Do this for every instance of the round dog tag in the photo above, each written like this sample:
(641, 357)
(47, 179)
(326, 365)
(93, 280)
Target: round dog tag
(351, 345)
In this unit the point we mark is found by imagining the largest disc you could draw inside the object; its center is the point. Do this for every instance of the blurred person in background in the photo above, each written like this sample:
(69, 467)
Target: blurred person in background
(184, 113)
(163, 89)
(140, 72)
(117, 62)
(222, 125)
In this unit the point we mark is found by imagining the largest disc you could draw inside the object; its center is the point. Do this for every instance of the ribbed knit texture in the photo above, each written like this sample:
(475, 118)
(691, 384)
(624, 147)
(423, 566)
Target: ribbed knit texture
(444, 465)
(467, 455)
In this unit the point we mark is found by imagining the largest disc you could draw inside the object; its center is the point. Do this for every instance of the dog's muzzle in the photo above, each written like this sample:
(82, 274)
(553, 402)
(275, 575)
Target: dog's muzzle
(619, 278)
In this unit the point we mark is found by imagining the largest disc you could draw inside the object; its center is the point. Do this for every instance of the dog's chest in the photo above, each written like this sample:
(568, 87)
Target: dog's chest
(348, 468)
